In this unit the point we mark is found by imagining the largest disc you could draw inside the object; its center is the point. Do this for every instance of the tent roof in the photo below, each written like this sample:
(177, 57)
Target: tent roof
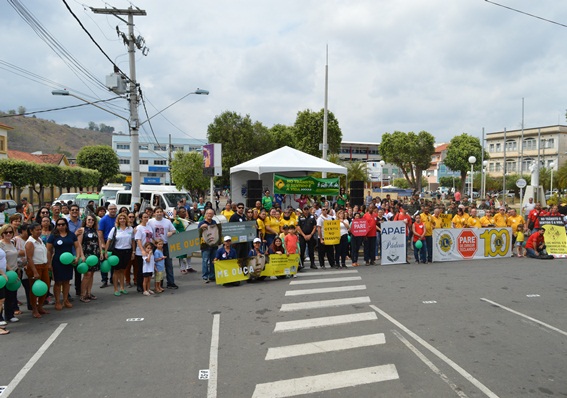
(287, 159)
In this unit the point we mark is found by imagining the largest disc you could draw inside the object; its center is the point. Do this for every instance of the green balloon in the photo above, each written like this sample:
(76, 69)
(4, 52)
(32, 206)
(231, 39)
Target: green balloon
(418, 244)
(349, 239)
(82, 268)
(66, 258)
(12, 276)
(113, 260)
(105, 266)
(109, 254)
(14, 286)
(3, 281)
(92, 260)
(39, 288)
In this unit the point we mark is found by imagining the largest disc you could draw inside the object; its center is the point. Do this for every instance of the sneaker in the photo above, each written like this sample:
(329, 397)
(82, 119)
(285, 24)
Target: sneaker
(14, 319)
(146, 293)
(3, 323)
(104, 284)
(172, 286)
(191, 270)
(151, 292)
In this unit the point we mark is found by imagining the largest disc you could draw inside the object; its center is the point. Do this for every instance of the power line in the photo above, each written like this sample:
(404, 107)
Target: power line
(526, 13)
(57, 109)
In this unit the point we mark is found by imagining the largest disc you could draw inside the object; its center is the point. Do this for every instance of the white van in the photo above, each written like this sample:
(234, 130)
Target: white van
(164, 196)
(109, 192)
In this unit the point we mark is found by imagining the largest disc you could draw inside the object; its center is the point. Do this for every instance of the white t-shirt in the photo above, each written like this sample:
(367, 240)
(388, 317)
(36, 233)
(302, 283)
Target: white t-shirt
(3, 260)
(345, 225)
(161, 228)
(123, 237)
(148, 265)
(143, 234)
(320, 222)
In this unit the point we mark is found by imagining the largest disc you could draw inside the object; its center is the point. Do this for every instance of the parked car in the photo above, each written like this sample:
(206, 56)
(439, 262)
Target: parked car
(508, 193)
(10, 208)
(66, 197)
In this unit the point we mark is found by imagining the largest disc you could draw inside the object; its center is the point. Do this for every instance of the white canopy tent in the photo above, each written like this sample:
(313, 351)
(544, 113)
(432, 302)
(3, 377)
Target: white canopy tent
(286, 161)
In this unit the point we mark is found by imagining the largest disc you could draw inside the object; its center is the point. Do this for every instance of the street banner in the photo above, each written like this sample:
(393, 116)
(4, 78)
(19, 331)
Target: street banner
(447, 220)
(551, 220)
(240, 231)
(184, 243)
(228, 271)
(555, 240)
(306, 185)
(393, 242)
(332, 232)
(359, 227)
(455, 244)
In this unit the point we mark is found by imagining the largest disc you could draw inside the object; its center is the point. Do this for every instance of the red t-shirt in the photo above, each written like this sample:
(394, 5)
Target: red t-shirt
(371, 223)
(534, 241)
(420, 229)
(534, 216)
(404, 216)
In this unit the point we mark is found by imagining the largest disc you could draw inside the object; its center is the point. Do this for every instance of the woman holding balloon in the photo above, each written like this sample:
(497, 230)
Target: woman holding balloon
(123, 236)
(60, 246)
(92, 245)
(37, 268)
(11, 255)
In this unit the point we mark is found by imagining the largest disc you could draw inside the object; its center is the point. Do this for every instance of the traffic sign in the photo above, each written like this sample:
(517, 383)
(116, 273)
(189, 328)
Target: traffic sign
(521, 183)
(467, 243)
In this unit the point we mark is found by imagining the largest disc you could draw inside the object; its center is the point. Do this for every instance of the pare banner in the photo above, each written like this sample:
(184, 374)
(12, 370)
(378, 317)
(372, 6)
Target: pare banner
(229, 271)
(471, 243)
(393, 242)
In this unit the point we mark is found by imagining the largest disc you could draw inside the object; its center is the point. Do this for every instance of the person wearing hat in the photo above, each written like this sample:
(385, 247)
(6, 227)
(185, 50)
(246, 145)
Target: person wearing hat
(307, 227)
(226, 251)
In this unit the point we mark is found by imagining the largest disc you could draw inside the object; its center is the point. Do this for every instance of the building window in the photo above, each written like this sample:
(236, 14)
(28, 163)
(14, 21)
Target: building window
(491, 148)
(511, 145)
(510, 167)
(548, 143)
(143, 147)
(530, 144)
(498, 166)
(491, 166)
(124, 161)
(177, 148)
(160, 162)
(123, 146)
(526, 163)
(498, 147)
(143, 161)
(162, 148)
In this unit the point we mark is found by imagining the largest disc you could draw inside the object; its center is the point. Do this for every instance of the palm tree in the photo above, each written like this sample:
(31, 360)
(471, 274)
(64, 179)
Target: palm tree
(357, 171)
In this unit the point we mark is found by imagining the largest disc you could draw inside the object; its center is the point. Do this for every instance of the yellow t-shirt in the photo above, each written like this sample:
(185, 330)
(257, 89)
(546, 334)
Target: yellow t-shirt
(227, 213)
(273, 223)
(513, 222)
(473, 222)
(427, 220)
(459, 221)
(486, 221)
(437, 222)
(261, 227)
(500, 220)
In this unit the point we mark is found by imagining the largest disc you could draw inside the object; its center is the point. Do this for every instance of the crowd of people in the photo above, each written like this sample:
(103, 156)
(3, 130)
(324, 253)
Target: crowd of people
(31, 243)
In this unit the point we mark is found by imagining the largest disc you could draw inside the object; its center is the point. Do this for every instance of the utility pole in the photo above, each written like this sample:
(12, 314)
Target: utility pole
(130, 39)
(325, 112)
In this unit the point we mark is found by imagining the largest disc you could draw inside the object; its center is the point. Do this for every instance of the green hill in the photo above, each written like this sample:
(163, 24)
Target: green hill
(31, 134)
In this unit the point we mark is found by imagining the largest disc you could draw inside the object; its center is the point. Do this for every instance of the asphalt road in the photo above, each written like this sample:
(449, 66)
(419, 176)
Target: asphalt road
(461, 329)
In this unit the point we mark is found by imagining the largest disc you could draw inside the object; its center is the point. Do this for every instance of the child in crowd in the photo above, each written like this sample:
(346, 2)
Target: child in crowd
(520, 240)
(159, 260)
(148, 268)
(291, 240)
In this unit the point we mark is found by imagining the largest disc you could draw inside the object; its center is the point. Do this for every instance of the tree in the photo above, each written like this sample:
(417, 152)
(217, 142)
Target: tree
(101, 158)
(93, 126)
(106, 129)
(401, 183)
(308, 131)
(241, 140)
(357, 171)
(18, 172)
(187, 171)
(21, 110)
(561, 176)
(448, 182)
(459, 150)
(410, 152)
(281, 135)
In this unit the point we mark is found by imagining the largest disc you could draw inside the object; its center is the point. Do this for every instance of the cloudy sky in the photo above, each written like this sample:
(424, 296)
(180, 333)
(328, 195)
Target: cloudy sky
(444, 66)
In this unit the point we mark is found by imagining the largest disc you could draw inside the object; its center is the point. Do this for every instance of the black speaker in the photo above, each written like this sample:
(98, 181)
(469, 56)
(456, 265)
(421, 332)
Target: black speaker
(356, 185)
(254, 184)
(356, 197)
(253, 192)
(250, 203)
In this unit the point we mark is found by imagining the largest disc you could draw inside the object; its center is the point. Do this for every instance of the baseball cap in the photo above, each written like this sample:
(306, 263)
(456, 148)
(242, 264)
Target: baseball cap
(227, 238)
(257, 240)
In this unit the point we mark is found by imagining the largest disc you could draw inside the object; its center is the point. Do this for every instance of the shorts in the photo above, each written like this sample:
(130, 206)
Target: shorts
(159, 276)
(520, 244)
(147, 274)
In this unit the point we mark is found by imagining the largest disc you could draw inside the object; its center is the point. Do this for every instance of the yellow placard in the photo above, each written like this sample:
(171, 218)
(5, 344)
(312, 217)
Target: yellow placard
(281, 264)
(447, 220)
(555, 239)
(332, 232)
(228, 271)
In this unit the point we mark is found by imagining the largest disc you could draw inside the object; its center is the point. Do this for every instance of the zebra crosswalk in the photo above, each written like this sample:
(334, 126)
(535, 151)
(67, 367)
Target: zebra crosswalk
(339, 378)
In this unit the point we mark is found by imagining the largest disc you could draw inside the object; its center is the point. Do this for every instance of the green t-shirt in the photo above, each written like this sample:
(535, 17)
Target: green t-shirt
(267, 202)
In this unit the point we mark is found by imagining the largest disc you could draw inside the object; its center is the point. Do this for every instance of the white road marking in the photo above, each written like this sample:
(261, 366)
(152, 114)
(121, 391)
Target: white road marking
(323, 273)
(533, 295)
(301, 324)
(27, 367)
(320, 347)
(430, 364)
(134, 319)
(326, 280)
(325, 382)
(213, 358)
(310, 305)
(526, 316)
(325, 290)
(429, 302)
(439, 354)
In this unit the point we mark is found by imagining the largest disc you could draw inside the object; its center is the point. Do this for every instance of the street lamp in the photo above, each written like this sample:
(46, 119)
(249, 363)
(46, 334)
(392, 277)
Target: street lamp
(472, 161)
(484, 167)
(382, 164)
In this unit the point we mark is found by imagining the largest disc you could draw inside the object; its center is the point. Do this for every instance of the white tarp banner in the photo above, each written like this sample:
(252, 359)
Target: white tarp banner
(471, 243)
(393, 242)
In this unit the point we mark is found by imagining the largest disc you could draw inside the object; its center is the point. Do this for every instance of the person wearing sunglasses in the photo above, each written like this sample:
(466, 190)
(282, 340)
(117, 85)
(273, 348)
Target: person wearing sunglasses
(37, 266)
(92, 244)
(11, 258)
(62, 240)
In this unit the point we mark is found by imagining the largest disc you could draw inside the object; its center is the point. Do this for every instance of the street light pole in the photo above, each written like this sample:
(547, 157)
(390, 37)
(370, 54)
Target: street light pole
(551, 166)
(484, 166)
(382, 163)
(472, 161)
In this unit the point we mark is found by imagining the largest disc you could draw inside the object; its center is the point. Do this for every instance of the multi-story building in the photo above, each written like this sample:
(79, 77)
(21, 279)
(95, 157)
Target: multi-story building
(549, 143)
(154, 157)
(359, 151)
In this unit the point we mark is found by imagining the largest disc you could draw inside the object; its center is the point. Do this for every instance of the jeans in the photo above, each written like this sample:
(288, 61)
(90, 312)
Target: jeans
(208, 267)
(369, 248)
(378, 244)
(168, 266)
(329, 251)
(420, 254)
(355, 243)
(139, 273)
(341, 250)
(310, 246)
(429, 245)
